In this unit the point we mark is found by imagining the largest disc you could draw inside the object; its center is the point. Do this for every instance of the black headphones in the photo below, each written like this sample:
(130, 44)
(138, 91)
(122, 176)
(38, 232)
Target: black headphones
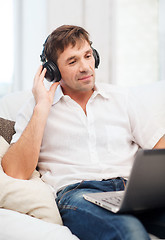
(53, 73)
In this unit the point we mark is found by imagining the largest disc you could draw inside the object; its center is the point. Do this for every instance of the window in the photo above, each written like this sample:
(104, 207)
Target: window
(6, 46)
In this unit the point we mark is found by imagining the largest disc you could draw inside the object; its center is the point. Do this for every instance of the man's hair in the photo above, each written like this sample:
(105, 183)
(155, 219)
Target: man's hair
(61, 38)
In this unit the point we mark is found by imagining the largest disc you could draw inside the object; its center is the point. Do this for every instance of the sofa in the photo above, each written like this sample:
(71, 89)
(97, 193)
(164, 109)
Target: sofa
(25, 216)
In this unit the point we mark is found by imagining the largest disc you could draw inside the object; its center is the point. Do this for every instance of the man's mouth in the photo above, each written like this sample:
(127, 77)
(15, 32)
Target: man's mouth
(85, 78)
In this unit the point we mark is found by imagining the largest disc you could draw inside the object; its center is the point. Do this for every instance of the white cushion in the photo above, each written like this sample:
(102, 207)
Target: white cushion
(17, 226)
(32, 197)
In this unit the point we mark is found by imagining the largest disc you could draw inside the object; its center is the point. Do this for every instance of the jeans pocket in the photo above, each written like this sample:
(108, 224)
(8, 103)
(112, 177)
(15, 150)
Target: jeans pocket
(63, 197)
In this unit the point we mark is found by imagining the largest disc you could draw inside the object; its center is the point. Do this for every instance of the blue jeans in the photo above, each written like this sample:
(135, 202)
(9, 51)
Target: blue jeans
(90, 222)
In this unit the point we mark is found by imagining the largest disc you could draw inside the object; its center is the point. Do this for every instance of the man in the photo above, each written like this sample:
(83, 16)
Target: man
(83, 137)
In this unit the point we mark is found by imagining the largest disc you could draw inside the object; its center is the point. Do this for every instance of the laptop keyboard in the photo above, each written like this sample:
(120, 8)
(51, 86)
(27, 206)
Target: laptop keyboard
(115, 200)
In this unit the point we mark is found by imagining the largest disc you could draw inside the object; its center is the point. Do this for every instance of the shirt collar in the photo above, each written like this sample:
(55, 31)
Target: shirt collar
(58, 95)
(98, 90)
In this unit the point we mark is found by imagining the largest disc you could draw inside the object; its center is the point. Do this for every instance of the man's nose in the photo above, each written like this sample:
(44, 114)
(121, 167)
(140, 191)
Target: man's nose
(83, 66)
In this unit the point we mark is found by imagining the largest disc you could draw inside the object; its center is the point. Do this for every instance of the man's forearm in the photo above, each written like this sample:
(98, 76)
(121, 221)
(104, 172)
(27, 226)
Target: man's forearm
(160, 143)
(22, 157)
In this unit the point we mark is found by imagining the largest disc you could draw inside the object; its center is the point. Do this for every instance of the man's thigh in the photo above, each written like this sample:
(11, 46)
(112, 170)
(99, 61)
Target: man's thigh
(88, 221)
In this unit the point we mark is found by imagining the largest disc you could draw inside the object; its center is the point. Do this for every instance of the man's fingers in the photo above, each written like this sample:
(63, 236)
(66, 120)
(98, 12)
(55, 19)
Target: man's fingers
(40, 74)
(43, 73)
(53, 87)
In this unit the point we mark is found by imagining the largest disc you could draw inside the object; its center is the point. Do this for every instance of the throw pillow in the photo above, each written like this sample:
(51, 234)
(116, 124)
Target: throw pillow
(32, 197)
(6, 129)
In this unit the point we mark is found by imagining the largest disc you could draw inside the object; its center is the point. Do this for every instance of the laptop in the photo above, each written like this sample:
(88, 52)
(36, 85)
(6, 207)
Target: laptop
(144, 190)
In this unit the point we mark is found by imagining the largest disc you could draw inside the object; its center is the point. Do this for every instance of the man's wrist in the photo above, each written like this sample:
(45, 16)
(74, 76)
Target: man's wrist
(42, 109)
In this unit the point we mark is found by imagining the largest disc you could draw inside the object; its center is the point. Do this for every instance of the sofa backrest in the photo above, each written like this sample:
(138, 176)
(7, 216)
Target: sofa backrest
(153, 98)
(11, 104)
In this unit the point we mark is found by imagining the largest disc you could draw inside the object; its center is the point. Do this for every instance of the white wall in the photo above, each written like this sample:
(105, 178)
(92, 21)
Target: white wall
(161, 40)
(30, 29)
(136, 42)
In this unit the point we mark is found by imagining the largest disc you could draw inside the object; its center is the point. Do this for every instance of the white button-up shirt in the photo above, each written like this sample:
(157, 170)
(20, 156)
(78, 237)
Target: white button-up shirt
(96, 146)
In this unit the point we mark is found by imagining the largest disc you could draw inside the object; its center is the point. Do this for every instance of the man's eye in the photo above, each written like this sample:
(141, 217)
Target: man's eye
(72, 62)
(88, 56)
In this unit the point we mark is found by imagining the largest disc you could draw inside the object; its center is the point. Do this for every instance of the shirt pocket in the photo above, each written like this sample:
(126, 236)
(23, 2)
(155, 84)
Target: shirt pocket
(117, 139)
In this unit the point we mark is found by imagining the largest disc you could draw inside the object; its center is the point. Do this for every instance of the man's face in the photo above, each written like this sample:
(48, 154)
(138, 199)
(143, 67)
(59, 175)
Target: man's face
(77, 68)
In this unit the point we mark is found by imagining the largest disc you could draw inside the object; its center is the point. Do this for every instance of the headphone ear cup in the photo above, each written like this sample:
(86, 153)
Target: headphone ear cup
(52, 73)
(96, 57)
